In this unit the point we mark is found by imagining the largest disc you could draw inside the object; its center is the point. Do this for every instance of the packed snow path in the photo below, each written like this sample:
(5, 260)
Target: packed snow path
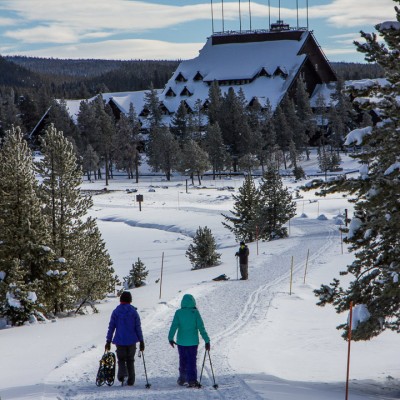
(229, 308)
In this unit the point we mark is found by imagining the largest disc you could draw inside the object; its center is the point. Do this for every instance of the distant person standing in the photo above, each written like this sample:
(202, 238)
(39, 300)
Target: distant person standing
(243, 254)
(188, 323)
(125, 323)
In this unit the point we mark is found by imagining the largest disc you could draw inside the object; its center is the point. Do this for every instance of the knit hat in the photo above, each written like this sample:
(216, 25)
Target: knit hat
(126, 297)
(242, 243)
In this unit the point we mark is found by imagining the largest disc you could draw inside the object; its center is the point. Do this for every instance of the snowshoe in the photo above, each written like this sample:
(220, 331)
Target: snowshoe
(106, 372)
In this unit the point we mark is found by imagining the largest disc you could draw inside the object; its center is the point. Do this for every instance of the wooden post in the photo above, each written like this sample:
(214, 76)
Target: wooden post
(162, 267)
(289, 227)
(257, 237)
(348, 350)
(341, 239)
(291, 277)
(305, 269)
(186, 186)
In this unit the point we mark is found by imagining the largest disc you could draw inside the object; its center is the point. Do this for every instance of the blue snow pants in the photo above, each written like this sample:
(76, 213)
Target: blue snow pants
(187, 363)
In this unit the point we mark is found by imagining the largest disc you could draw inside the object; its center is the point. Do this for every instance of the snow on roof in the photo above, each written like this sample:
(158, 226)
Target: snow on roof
(323, 91)
(121, 99)
(237, 65)
(326, 90)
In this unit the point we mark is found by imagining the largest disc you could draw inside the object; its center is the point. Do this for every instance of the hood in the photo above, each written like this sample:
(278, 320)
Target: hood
(188, 301)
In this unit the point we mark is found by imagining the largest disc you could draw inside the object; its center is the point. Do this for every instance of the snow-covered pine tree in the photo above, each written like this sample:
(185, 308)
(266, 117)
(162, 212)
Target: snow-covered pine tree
(275, 206)
(20, 299)
(137, 275)
(74, 236)
(23, 229)
(244, 215)
(202, 252)
(374, 236)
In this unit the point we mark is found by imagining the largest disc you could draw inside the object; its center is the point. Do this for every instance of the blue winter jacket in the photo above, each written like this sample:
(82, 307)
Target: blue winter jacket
(125, 322)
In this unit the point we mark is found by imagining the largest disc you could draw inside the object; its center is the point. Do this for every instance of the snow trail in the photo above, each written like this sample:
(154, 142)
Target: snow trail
(227, 312)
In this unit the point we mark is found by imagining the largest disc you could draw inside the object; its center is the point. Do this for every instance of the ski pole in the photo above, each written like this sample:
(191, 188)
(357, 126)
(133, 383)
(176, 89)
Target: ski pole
(202, 367)
(237, 268)
(215, 386)
(148, 385)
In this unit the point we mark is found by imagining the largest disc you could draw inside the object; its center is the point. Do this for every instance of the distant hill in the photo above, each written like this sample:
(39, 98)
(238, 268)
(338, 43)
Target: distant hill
(12, 74)
(82, 78)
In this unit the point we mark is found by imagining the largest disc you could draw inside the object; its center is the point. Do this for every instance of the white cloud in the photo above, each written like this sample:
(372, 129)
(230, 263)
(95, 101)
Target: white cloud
(128, 49)
(350, 13)
(95, 16)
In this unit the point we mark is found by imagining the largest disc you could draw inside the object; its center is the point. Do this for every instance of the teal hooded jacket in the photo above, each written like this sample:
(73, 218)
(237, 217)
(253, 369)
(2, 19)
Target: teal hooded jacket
(188, 322)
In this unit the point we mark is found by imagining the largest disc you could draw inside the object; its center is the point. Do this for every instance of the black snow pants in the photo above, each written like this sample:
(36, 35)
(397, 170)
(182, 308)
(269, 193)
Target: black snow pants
(126, 363)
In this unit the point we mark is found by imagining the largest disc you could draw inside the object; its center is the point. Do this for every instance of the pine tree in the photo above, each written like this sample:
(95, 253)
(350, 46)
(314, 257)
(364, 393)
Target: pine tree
(180, 123)
(23, 228)
(214, 146)
(202, 252)
(20, 299)
(126, 155)
(375, 238)
(90, 162)
(214, 103)
(137, 275)
(74, 236)
(152, 105)
(193, 160)
(284, 137)
(305, 114)
(244, 215)
(275, 206)
(162, 151)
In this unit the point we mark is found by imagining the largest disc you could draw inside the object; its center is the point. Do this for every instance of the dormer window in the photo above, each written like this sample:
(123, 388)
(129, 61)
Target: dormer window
(188, 108)
(264, 72)
(185, 92)
(180, 78)
(198, 77)
(164, 110)
(170, 93)
(145, 112)
(280, 72)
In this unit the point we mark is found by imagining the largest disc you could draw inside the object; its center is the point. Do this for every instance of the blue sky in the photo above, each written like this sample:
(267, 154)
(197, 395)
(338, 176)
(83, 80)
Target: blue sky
(173, 29)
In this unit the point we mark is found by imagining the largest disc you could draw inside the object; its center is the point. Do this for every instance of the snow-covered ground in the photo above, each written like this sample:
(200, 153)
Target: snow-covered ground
(265, 342)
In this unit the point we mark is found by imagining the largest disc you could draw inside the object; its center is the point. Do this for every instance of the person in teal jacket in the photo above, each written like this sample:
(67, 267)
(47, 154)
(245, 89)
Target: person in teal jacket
(188, 323)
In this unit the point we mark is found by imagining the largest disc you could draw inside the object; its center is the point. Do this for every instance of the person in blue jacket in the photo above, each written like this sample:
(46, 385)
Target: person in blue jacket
(125, 330)
(188, 323)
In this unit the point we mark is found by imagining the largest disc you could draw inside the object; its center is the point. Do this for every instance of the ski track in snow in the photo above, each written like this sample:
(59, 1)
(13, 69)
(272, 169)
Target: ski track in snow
(268, 275)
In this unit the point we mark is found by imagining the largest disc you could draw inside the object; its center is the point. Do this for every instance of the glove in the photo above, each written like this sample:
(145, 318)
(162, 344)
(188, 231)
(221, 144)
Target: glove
(107, 347)
(208, 346)
(141, 346)
(172, 343)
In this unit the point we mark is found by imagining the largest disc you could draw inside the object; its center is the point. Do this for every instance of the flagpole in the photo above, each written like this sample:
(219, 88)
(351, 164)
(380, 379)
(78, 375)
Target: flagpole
(212, 16)
(240, 18)
(223, 23)
(250, 13)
